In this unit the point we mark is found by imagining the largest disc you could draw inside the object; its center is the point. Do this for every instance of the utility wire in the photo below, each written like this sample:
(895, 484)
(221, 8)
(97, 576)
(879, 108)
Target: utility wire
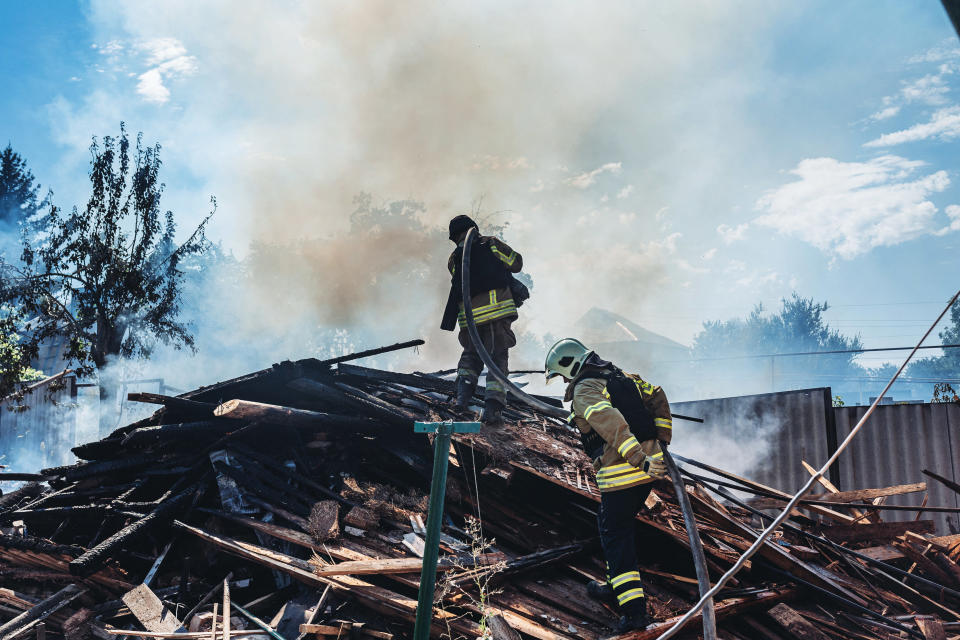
(775, 524)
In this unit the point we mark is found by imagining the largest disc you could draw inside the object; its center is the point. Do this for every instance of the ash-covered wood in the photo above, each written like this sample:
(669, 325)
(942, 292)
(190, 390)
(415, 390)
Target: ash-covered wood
(303, 484)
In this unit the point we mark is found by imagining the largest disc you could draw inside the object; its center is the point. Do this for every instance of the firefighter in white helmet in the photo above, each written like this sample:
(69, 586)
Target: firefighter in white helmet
(621, 419)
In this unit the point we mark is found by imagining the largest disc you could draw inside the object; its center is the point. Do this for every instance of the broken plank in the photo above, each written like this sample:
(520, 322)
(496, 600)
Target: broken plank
(248, 410)
(40, 611)
(889, 552)
(878, 531)
(724, 608)
(96, 557)
(500, 629)
(778, 556)
(762, 488)
(186, 635)
(931, 628)
(406, 565)
(375, 597)
(797, 625)
(846, 496)
(149, 611)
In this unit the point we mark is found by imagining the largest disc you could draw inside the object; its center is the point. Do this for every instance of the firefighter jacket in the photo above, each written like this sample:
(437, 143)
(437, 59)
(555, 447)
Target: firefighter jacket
(492, 262)
(619, 463)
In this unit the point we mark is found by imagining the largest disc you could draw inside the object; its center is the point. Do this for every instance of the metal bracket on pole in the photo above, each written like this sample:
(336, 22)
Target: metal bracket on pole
(438, 489)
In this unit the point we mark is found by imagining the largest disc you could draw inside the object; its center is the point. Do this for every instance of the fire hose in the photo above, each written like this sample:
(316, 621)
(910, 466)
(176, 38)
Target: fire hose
(696, 547)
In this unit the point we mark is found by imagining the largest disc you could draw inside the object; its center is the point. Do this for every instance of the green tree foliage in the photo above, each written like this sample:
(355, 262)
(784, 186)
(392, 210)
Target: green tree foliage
(944, 368)
(19, 198)
(106, 277)
(798, 327)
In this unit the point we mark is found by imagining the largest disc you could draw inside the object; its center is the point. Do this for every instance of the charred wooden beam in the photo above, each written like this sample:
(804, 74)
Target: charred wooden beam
(331, 393)
(12, 499)
(190, 431)
(171, 402)
(276, 414)
(104, 449)
(94, 559)
(360, 354)
(40, 611)
(296, 476)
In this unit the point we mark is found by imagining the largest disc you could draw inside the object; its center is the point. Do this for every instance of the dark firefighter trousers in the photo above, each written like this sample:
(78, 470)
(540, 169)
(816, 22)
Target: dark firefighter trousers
(497, 338)
(616, 520)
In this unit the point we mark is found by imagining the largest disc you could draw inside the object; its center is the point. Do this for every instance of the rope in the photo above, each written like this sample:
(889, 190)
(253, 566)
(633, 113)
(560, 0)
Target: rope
(476, 486)
(775, 524)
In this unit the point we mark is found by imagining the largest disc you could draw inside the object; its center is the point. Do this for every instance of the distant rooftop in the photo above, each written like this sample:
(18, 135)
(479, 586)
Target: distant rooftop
(599, 326)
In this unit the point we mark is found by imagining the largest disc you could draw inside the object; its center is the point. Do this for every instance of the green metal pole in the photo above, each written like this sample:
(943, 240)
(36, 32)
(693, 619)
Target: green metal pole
(438, 489)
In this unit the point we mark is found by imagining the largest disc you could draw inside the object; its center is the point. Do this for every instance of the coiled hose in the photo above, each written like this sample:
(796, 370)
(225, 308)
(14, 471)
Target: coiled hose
(696, 547)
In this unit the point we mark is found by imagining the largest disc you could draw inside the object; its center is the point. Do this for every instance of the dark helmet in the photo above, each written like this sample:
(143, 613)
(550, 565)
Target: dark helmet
(460, 224)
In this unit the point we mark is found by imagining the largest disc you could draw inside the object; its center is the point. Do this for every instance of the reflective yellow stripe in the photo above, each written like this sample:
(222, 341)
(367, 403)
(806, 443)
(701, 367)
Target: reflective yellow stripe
(614, 469)
(629, 478)
(627, 596)
(599, 406)
(656, 455)
(493, 296)
(488, 312)
(624, 577)
(606, 394)
(509, 260)
(663, 423)
(571, 417)
(628, 445)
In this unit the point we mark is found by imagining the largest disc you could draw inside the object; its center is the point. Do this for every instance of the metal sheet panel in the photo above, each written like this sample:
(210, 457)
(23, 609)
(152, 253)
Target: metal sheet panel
(39, 430)
(894, 447)
(763, 437)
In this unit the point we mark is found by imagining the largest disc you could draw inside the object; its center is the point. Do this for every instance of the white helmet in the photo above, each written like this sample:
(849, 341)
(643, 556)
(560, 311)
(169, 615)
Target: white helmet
(565, 358)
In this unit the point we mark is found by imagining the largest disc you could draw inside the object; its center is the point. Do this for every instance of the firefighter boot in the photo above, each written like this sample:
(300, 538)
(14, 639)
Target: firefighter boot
(465, 388)
(600, 590)
(492, 413)
(634, 616)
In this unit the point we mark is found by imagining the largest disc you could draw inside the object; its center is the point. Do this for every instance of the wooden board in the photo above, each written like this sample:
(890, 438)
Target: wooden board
(149, 611)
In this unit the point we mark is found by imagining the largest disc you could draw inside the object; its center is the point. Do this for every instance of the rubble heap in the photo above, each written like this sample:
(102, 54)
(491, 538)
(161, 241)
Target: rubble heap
(290, 502)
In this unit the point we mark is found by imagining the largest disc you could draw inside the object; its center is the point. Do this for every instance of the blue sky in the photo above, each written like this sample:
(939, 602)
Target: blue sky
(673, 163)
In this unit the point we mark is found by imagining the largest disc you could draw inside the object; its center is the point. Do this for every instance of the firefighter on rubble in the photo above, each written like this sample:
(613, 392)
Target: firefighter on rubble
(621, 419)
(492, 287)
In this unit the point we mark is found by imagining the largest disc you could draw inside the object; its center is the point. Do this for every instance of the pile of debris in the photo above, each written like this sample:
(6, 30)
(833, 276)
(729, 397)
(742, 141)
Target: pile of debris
(290, 502)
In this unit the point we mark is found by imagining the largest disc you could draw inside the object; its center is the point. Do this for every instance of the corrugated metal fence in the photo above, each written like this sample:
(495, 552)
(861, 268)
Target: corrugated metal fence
(895, 446)
(764, 437)
(40, 429)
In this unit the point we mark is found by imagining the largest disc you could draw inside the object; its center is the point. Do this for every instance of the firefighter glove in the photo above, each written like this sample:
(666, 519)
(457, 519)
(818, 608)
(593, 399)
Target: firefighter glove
(654, 466)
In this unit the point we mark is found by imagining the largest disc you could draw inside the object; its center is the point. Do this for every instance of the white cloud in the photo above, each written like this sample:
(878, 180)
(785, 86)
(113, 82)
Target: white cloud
(729, 234)
(953, 213)
(151, 87)
(160, 50)
(168, 59)
(846, 209)
(757, 279)
(947, 50)
(626, 191)
(709, 254)
(944, 125)
(886, 113)
(930, 89)
(589, 178)
(627, 217)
